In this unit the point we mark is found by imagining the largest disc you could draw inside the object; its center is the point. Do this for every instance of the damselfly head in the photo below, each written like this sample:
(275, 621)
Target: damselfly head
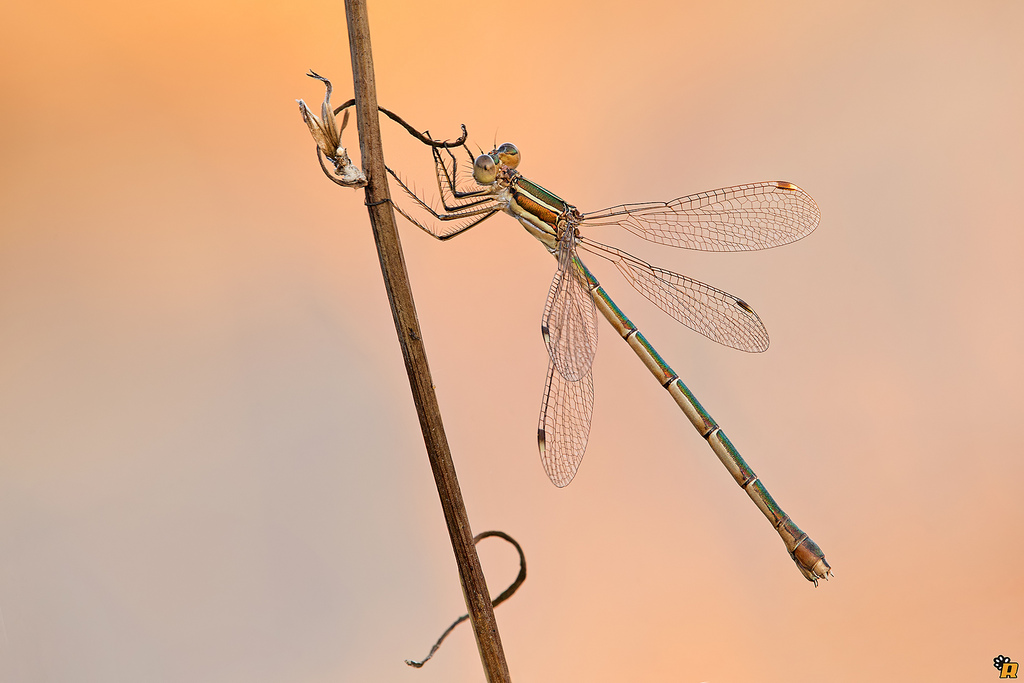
(508, 154)
(485, 169)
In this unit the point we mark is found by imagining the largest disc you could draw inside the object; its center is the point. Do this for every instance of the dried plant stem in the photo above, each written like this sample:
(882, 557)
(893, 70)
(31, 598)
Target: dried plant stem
(396, 280)
(505, 594)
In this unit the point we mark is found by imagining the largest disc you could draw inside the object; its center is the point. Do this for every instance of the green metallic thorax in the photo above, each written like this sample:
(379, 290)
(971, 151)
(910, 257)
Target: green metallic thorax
(529, 191)
(537, 209)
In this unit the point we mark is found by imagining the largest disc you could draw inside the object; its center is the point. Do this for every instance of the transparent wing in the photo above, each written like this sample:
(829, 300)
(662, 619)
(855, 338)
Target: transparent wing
(718, 315)
(740, 218)
(569, 324)
(564, 427)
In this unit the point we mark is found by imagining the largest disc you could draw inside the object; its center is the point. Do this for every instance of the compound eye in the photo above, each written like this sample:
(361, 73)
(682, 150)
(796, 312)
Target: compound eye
(509, 154)
(484, 169)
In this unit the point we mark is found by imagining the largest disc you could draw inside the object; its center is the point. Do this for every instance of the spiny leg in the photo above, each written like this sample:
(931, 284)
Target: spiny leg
(447, 171)
(469, 216)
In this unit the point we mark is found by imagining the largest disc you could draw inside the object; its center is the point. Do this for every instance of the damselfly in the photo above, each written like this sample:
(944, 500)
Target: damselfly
(740, 218)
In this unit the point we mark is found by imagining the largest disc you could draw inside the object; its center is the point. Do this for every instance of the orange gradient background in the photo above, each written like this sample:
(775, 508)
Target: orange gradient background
(210, 464)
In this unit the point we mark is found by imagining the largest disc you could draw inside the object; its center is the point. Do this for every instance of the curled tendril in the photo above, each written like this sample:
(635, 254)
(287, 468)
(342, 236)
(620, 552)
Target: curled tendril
(505, 595)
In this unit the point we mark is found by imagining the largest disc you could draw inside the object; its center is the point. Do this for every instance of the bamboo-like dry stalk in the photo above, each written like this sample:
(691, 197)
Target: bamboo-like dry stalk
(396, 281)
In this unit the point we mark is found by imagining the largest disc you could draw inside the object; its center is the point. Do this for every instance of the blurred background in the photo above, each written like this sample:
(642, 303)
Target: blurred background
(210, 464)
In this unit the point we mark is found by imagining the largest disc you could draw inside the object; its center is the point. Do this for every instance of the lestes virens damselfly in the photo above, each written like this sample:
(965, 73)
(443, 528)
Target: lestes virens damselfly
(740, 218)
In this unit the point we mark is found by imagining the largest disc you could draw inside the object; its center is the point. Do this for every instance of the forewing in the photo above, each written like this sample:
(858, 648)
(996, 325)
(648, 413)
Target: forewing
(569, 324)
(564, 427)
(718, 315)
(740, 218)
